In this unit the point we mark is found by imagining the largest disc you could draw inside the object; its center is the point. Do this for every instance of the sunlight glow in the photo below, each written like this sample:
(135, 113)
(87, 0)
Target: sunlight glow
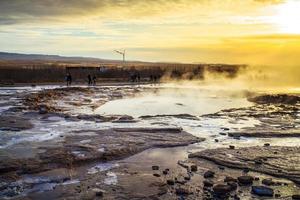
(288, 17)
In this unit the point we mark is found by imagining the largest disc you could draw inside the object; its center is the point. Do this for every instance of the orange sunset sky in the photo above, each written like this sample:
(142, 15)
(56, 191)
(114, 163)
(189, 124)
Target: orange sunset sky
(224, 31)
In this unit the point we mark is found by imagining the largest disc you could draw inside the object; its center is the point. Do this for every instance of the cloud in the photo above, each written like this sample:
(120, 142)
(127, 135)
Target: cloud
(33, 11)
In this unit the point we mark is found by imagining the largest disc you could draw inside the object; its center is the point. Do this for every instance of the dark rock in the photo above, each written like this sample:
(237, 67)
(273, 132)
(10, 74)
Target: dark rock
(245, 180)
(155, 167)
(296, 197)
(221, 167)
(268, 182)
(267, 144)
(156, 175)
(231, 147)
(187, 178)
(277, 195)
(182, 191)
(262, 191)
(246, 170)
(256, 178)
(222, 133)
(165, 172)
(194, 168)
(221, 190)
(230, 179)
(233, 185)
(170, 182)
(216, 140)
(207, 183)
(98, 192)
(209, 174)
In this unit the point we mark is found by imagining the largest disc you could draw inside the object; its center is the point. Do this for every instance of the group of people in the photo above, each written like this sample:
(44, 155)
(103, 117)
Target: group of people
(91, 80)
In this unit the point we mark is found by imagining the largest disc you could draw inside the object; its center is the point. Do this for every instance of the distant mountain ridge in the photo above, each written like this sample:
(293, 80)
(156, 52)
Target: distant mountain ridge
(32, 57)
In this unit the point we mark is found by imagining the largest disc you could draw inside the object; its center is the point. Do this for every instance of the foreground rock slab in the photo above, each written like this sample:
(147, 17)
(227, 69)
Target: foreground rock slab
(102, 145)
(283, 162)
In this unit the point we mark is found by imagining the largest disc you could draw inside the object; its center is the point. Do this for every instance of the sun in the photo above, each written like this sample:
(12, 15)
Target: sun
(287, 17)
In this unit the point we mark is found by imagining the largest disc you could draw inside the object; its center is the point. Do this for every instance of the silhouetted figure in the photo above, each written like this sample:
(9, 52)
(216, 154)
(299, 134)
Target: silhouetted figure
(138, 77)
(151, 78)
(94, 80)
(89, 79)
(69, 79)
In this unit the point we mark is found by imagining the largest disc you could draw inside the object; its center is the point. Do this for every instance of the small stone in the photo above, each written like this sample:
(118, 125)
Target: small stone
(230, 179)
(98, 192)
(221, 167)
(296, 197)
(256, 178)
(262, 191)
(267, 182)
(207, 183)
(156, 175)
(258, 162)
(267, 144)
(277, 195)
(187, 178)
(231, 147)
(245, 180)
(165, 172)
(155, 167)
(216, 140)
(209, 174)
(194, 168)
(221, 190)
(170, 182)
(222, 133)
(233, 185)
(182, 191)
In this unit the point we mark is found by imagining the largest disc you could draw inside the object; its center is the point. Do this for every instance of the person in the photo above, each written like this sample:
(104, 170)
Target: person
(89, 79)
(138, 77)
(69, 79)
(94, 80)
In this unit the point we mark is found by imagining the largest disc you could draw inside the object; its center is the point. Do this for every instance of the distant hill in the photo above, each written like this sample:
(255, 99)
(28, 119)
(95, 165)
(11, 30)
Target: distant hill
(34, 57)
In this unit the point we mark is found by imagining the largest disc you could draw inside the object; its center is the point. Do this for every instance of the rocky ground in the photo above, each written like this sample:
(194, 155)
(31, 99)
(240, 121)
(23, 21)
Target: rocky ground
(84, 155)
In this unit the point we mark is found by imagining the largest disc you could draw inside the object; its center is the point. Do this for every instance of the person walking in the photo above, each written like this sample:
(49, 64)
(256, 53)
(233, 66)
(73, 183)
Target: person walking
(89, 80)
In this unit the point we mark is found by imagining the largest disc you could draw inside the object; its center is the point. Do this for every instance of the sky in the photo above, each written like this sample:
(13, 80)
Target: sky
(257, 32)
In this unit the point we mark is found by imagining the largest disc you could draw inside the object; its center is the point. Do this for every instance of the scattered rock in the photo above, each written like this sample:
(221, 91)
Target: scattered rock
(221, 190)
(296, 197)
(230, 179)
(156, 175)
(245, 180)
(98, 192)
(267, 144)
(209, 174)
(182, 191)
(268, 182)
(216, 140)
(233, 185)
(194, 168)
(208, 183)
(170, 182)
(262, 191)
(231, 147)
